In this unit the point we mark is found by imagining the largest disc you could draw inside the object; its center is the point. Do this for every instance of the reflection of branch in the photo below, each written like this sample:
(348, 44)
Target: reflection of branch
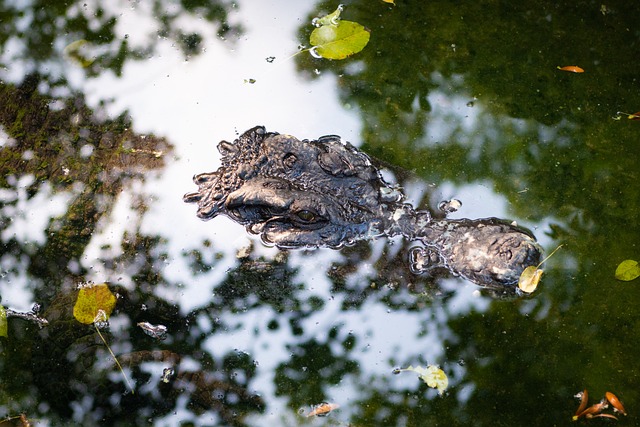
(31, 316)
(205, 390)
(217, 394)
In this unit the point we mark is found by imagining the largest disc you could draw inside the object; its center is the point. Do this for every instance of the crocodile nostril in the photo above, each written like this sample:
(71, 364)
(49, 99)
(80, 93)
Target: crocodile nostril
(289, 160)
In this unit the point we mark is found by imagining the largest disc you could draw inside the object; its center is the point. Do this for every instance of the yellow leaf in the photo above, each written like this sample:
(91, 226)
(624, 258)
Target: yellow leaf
(529, 279)
(433, 376)
(93, 300)
(4, 329)
(389, 1)
(628, 270)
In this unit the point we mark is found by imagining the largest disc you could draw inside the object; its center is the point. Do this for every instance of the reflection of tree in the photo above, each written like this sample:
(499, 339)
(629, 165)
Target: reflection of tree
(313, 367)
(67, 148)
(520, 361)
(545, 140)
(63, 144)
(417, 47)
(41, 29)
(62, 371)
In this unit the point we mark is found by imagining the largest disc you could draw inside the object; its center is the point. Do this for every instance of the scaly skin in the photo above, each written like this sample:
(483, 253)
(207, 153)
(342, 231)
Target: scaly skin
(327, 193)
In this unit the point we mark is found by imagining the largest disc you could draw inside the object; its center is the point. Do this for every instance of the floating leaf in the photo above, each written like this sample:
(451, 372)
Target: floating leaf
(634, 116)
(433, 376)
(584, 399)
(4, 329)
(323, 409)
(615, 403)
(530, 276)
(336, 39)
(390, 1)
(628, 270)
(571, 69)
(93, 306)
(93, 301)
(529, 279)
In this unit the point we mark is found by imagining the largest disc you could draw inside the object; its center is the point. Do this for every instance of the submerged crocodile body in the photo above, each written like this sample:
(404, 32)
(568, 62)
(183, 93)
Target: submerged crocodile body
(326, 193)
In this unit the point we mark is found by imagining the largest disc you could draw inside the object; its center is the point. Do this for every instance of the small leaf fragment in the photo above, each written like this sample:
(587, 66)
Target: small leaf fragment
(322, 410)
(156, 331)
(330, 19)
(571, 69)
(93, 300)
(529, 279)
(167, 373)
(4, 328)
(77, 52)
(628, 270)
(433, 376)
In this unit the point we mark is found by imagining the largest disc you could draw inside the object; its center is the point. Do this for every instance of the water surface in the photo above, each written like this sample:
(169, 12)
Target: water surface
(456, 100)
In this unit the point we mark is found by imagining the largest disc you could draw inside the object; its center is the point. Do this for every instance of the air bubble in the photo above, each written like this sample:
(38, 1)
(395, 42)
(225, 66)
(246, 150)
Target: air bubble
(314, 52)
(449, 206)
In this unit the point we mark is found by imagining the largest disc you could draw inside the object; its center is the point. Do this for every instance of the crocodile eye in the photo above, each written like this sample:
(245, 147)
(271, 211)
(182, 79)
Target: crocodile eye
(306, 216)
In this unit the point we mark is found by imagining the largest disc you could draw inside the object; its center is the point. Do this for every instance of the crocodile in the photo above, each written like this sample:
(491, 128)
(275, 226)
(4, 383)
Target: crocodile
(327, 193)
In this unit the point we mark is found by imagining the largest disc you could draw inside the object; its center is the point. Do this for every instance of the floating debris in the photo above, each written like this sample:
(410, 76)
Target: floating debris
(432, 375)
(156, 331)
(450, 206)
(323, 409)
(615, 403)
(595, 410)
(167, 373)
(571, 69)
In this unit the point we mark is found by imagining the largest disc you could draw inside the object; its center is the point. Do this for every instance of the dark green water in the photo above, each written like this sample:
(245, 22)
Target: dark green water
(454, 97)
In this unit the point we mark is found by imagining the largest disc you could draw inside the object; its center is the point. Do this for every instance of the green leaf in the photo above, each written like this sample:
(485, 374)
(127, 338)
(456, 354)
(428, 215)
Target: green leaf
(628, 270)
(94, 301)
(4, 329)
(336, 39)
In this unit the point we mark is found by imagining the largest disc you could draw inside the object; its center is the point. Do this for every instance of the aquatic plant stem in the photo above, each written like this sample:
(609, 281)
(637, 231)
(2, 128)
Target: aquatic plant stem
(549, 256)
(116, 359)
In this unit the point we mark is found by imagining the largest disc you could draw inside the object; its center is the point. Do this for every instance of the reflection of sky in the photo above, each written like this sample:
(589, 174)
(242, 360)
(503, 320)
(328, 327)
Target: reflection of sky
(198, 102)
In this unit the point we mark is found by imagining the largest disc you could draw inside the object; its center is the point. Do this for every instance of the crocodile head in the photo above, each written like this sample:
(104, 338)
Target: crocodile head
(296, 193)
(325, 193)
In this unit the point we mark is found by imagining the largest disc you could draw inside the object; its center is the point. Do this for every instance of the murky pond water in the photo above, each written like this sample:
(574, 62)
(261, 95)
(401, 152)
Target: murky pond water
(107, 111)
